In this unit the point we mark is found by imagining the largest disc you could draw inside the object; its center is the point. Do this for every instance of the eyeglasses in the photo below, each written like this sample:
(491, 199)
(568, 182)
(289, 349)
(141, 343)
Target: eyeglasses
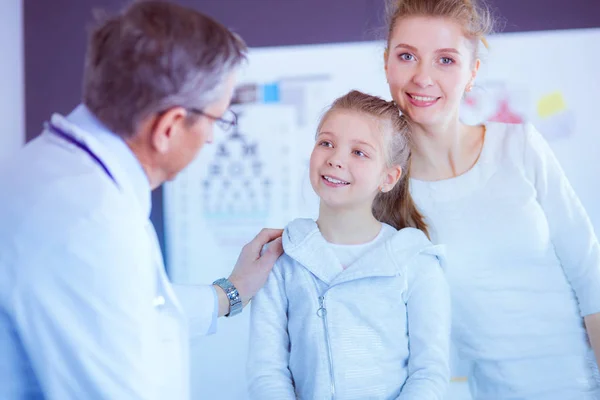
(226, 122)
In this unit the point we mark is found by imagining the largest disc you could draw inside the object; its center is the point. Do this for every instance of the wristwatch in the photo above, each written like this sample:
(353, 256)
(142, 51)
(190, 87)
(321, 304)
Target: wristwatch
(235, 301)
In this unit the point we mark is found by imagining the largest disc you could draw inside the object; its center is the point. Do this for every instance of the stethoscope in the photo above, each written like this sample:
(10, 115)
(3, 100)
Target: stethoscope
(81, 145)
(159, 301)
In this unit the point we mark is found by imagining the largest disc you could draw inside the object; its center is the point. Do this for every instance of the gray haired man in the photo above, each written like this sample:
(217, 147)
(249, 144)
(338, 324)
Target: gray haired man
(86, 310)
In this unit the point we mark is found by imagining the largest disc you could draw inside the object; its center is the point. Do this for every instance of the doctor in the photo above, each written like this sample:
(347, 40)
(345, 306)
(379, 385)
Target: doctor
(86, 310)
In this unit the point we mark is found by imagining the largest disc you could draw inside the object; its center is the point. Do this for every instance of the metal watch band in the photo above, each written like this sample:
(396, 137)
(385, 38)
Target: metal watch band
(235, 301)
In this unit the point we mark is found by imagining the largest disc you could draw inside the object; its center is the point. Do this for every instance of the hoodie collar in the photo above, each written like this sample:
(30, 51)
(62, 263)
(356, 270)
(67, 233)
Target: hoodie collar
(303, 241)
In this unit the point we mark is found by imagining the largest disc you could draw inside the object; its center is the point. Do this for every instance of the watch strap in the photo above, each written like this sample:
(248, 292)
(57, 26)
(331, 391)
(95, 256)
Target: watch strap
(235, 300)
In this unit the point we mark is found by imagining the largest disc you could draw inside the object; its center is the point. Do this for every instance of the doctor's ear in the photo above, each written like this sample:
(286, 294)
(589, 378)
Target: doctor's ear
(166, 126)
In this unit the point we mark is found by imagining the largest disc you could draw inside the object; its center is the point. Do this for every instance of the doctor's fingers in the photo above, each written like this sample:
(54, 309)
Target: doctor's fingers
(271, 254)
(264, 237)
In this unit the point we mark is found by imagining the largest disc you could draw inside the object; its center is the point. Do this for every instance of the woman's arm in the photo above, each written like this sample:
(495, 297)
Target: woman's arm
(571, 231)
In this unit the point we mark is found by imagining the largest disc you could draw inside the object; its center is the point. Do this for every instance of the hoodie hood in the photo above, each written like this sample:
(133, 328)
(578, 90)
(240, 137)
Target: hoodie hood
(304, 243)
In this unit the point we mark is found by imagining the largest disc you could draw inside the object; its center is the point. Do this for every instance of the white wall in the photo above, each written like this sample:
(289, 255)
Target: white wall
(12, 90)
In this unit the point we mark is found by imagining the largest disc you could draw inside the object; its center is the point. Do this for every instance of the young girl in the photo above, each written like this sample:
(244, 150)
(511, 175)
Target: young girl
(522, 261)
(357, 307)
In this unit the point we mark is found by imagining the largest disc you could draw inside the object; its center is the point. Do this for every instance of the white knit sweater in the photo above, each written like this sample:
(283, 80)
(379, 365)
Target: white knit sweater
(523, 265)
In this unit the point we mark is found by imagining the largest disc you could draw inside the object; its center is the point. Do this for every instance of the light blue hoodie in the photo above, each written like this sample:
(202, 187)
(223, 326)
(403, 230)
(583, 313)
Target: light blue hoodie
(379, 329)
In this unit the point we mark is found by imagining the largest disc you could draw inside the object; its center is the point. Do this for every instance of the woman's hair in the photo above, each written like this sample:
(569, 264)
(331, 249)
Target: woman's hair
(396, 207)
(475, 18)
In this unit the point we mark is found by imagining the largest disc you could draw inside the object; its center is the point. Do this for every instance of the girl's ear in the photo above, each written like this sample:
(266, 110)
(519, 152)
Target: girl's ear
(391, 177)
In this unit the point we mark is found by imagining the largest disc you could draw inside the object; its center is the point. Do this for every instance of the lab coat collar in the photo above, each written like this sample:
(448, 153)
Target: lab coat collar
(111, 150)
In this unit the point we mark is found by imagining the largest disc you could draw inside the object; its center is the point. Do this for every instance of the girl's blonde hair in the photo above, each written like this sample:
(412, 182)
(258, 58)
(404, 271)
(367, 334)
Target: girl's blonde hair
(396, 207)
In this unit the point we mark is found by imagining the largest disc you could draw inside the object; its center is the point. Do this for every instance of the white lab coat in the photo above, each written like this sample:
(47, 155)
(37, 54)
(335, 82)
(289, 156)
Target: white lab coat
(86, 309)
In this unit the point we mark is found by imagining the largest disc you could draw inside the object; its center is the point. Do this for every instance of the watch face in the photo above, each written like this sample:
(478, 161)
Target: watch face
(233, 295)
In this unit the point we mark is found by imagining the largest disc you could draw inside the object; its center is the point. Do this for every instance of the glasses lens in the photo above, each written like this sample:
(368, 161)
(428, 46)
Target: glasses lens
(224, 125)
(228, 120)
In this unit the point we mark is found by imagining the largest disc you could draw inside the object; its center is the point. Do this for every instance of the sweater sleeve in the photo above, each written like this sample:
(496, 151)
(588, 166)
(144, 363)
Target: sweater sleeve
(571, 231)
(267, 368)
(428, 308)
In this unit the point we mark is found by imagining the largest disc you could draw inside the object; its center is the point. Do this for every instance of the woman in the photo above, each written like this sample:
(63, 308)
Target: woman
(523, 262)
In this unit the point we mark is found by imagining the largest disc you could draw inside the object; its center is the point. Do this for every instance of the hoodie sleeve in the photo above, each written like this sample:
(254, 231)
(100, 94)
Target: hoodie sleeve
(428, 309)
(267, 368)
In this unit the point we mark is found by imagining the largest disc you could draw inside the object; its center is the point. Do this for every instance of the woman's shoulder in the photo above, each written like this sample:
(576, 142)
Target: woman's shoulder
(503, 131)
(507, 140)
(498, 132)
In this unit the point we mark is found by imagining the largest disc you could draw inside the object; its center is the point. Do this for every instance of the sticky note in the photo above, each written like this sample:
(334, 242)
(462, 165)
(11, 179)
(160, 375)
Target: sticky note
(551, 104)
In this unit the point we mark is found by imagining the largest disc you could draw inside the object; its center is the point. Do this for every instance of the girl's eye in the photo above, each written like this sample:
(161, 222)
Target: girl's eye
(446, 60)
(325, 143)
(359, 153)
(406, 56)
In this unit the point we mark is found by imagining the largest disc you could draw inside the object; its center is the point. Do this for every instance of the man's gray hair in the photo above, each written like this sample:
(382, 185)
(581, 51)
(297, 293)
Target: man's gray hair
(154, 56)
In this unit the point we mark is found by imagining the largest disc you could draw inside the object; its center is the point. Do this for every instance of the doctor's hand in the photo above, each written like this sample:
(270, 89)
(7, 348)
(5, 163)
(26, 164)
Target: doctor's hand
(253, 265)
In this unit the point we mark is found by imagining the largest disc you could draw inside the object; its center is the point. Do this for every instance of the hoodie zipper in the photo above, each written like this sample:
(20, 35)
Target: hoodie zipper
(322, 313)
